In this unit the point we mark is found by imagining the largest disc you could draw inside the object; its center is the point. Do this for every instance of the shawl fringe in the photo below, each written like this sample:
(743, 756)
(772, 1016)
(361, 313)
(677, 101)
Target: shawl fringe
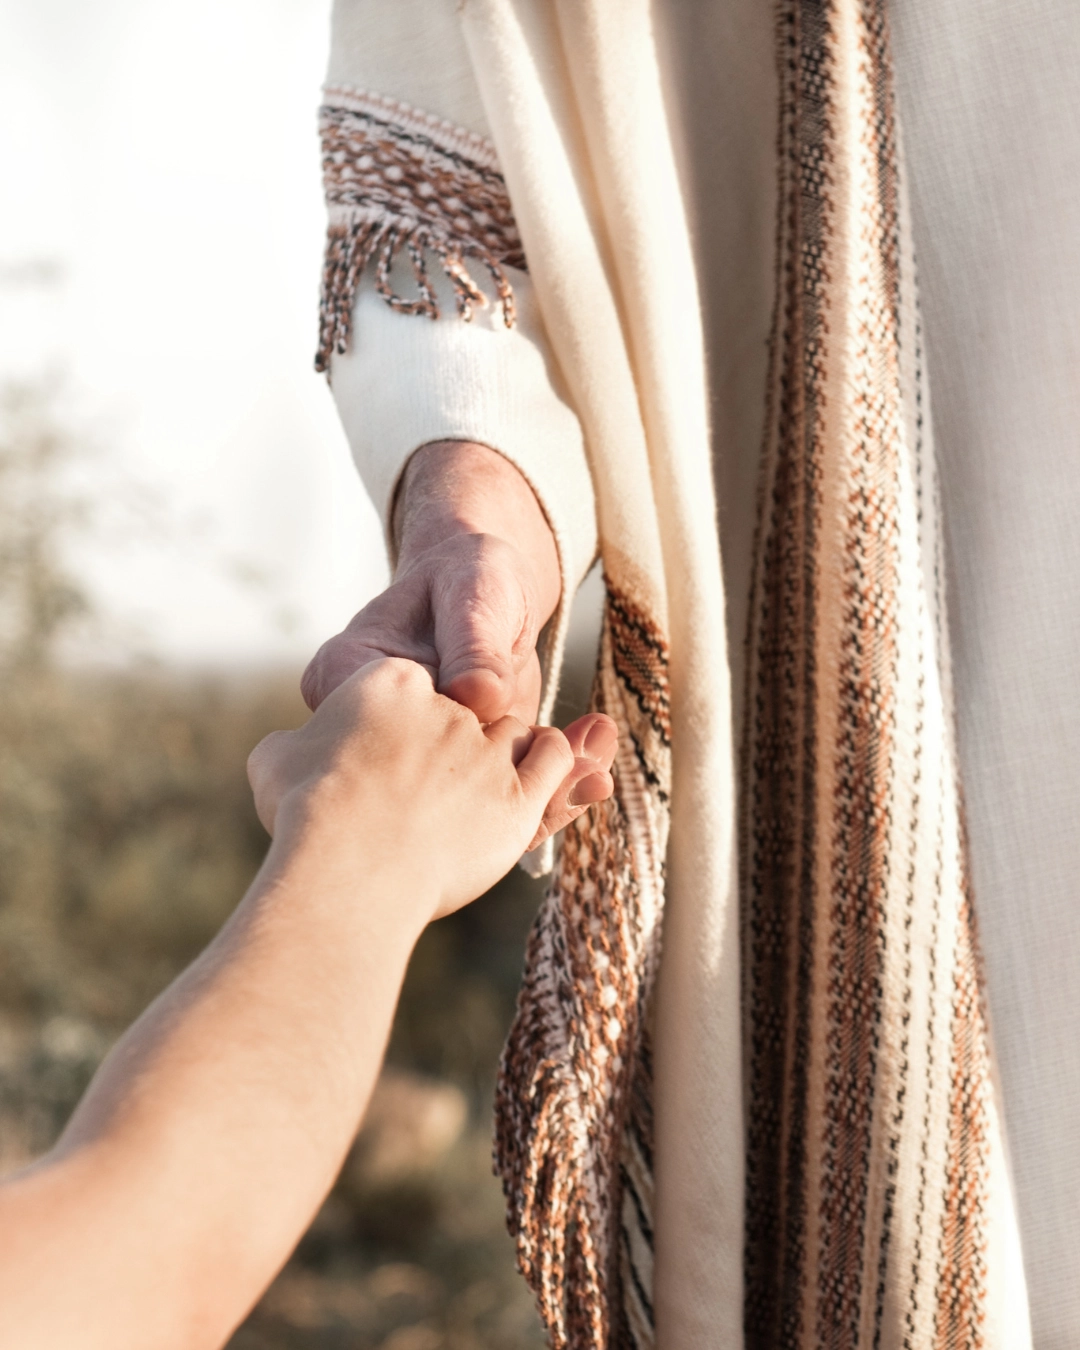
(397, 180)
(574, 1143)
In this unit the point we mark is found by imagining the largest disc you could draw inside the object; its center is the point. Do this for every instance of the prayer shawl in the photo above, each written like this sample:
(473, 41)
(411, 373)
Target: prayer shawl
(813, 1037)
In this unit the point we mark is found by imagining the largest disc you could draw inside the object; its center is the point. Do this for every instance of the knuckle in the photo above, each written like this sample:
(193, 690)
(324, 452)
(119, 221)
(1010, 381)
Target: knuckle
(409, 673)
(399, 676)
(264, 761)
(557, 746)
(456, 716)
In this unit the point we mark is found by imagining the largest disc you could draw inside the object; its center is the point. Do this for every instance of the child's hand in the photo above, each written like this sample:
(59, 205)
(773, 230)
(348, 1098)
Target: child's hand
(407, 785)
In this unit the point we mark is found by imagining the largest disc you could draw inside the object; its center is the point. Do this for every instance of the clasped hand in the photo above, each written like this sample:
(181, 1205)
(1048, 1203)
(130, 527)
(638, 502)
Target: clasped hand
(477, 577)
(430, 802)
(218, 1122)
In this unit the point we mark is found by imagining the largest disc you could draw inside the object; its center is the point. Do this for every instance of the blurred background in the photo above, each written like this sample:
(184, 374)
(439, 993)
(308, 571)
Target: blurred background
(180, 527)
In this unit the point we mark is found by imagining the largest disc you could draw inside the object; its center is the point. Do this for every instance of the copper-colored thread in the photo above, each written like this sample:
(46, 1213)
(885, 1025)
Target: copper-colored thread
(411, 184)
(573, 1060)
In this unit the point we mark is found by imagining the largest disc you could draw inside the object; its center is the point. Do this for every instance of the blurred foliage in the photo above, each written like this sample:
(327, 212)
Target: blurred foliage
(126, 837)
(39, 595)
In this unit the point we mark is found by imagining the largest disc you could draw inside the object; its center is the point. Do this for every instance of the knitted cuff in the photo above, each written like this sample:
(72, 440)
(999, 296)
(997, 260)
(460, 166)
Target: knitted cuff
(406, 381)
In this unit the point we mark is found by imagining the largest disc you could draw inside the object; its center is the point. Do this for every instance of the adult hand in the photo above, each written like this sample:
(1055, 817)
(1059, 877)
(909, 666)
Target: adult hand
(477, 577)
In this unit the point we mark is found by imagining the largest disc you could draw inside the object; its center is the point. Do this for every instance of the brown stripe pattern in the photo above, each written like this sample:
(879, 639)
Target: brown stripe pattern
(870, 1133)
(962, 1254)
(395, 180)
(574, 1142)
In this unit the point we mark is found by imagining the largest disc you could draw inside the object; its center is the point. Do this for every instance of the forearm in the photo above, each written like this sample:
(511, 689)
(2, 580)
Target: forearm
(410, 382)
(217, 1125)
(215, 1128)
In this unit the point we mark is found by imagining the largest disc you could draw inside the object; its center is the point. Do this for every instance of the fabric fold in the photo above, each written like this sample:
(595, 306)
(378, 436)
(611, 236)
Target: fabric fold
(576, 114)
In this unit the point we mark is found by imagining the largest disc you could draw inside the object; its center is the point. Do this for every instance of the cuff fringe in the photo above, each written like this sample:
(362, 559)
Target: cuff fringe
(396, 179)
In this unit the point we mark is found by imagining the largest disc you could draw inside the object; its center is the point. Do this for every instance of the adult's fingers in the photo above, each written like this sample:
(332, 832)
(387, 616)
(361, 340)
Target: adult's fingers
(396, 623)
(336, 660)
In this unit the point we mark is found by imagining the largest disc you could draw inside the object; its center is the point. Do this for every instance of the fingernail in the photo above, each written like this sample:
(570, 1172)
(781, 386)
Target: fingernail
(587, 791)
(600, 741)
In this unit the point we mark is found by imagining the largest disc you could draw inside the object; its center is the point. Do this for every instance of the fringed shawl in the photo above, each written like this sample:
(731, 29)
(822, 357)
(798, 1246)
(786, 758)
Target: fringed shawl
(877, 1203)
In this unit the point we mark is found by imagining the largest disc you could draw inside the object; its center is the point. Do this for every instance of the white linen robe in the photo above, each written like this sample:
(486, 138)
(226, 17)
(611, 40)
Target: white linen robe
(990, 107)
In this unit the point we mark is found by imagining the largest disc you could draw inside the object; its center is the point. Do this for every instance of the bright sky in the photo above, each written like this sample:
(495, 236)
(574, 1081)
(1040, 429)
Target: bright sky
(165, 156)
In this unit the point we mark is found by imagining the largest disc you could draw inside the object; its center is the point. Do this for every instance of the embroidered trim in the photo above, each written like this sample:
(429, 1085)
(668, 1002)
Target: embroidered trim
(456, 140)
(871, 1150)
(396, 178)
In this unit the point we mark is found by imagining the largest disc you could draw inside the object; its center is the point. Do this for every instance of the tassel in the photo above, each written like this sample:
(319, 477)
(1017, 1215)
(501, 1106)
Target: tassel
(351, 247)
(397, 178)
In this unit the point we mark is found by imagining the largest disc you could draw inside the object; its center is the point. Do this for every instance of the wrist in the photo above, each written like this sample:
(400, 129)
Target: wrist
(451, 488)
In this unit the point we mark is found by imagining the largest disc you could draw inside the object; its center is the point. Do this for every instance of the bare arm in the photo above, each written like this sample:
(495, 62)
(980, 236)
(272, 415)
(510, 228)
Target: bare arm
(216, 1127)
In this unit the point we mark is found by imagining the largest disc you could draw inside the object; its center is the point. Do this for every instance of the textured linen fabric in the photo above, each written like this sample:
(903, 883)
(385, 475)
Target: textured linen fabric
(411, 50)
(991, 94)
(573, 97)
(990, 105)
(991, 114)
(806, 966)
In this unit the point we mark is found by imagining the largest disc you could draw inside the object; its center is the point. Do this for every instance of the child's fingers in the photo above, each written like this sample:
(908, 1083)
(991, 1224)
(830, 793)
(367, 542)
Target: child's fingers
(593, 739)
(586, 785)
(545, 764)
(594, 736)
(583, 787)
(511, 736)
(586, 778)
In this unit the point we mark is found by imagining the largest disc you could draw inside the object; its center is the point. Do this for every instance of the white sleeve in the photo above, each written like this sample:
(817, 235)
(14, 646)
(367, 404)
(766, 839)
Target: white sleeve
(420, 221)
(408, 380)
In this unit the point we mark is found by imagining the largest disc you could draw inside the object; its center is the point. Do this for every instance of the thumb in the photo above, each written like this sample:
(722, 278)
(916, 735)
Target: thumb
(486, 653)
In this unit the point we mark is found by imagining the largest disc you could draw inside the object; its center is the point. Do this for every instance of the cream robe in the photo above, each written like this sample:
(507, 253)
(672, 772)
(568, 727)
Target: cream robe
(988, 106)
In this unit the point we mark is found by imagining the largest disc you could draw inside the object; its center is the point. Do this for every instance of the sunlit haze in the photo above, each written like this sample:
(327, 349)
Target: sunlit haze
(160, 240)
